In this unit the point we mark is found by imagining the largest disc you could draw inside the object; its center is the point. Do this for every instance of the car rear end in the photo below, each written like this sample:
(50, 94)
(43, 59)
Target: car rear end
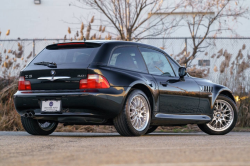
(58, 85)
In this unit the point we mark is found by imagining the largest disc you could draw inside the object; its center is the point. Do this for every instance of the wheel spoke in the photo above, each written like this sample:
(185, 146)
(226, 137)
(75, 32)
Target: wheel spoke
(133, 118)
(137, 102)
(133, 104)
(136, 122)
(139, 119)
(132, 114)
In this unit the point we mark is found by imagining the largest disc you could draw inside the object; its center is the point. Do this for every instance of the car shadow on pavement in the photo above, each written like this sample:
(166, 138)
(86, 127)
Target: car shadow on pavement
(80, 134)
(59, 134)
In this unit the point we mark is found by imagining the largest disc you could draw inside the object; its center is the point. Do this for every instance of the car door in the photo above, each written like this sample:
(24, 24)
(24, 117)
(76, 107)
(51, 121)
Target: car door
(176, 96)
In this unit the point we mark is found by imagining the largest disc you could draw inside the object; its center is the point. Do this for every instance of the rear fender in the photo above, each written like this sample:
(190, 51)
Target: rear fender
(133, 85)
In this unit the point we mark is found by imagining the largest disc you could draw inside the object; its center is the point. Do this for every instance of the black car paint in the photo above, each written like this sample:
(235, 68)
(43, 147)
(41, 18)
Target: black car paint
(169, 96)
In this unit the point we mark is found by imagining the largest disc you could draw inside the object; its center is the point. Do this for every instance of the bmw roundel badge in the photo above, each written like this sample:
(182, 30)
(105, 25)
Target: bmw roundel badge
(51, 104)
(53, 72)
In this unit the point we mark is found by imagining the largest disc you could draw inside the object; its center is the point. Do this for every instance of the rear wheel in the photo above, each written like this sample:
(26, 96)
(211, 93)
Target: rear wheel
(151, 129)
(224, 117)
(38, 127)
(134, 119)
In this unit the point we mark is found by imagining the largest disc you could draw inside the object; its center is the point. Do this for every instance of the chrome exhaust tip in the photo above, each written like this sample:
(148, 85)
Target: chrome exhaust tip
(31, 115)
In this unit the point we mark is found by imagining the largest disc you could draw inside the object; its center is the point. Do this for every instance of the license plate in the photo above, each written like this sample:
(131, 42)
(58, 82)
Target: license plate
(51, 106)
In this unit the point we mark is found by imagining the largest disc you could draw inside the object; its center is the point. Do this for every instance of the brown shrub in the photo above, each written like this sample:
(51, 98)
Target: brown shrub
(197, 72)
(244, 112)
(9, 118)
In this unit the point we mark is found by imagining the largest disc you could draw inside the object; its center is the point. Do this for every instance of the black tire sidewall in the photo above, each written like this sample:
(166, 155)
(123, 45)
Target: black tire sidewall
(207, 130)
(127, 112)
(151, 129)
(33, 128)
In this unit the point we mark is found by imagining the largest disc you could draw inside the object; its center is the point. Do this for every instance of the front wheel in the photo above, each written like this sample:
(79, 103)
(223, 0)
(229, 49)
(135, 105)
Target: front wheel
(38, 127)
(134, 119)
(224, 117)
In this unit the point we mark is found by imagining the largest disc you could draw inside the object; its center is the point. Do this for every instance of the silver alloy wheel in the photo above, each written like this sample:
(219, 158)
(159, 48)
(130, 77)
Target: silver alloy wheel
(46, 125)
(223, 116)
(139, 112)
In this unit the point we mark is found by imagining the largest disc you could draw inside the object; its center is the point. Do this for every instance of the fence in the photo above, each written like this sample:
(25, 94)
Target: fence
(15, 54)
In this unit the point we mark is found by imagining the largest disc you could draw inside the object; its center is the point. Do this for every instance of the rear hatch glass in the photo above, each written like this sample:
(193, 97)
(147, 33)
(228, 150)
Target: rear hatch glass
(65, 58)
(59, 68)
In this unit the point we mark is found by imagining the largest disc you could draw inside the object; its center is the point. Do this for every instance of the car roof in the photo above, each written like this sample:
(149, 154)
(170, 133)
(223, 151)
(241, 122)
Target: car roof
(108, 41)
(96, 41)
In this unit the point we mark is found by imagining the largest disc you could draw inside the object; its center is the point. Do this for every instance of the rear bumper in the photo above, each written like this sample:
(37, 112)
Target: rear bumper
(76, 104)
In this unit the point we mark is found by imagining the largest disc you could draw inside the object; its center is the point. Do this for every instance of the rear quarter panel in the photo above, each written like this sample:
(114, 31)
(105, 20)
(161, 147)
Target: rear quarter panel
(124, 80)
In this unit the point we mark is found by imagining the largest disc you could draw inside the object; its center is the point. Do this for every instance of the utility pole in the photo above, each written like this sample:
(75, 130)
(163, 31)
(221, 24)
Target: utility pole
(34, 48)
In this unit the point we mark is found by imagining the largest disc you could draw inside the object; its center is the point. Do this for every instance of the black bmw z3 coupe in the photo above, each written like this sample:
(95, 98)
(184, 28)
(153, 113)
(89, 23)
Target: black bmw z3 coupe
(135, 87)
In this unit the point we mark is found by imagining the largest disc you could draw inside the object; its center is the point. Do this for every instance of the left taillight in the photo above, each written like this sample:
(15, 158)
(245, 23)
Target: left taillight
(23, 84)
(94, 81)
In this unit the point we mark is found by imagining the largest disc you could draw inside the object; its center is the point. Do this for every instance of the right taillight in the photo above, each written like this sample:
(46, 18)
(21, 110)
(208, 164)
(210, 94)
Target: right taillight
(94, 81)
(23, 84)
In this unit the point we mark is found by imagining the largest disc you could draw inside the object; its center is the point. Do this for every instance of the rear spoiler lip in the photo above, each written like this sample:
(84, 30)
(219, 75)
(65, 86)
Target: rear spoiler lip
(69, 45)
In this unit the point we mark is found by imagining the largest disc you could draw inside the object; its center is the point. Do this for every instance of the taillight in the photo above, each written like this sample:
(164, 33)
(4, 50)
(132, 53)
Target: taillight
(94, 81)
(23, 85)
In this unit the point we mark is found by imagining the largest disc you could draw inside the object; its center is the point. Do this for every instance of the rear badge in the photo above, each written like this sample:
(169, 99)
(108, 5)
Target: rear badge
(28, 76)
(81, 75)
(53, 72)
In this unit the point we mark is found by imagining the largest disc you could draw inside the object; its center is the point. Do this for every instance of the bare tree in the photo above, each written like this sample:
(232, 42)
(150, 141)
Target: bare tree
(209, 19)
(130, 18)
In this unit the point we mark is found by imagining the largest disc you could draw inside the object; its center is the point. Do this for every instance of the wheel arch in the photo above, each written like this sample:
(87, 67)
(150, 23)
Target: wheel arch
(222, 91)
(144, 88)
(228, 94)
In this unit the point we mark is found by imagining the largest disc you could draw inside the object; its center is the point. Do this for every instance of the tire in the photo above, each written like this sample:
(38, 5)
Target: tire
(36, 127)
(151, 129)
(232, 117)
(132, 114)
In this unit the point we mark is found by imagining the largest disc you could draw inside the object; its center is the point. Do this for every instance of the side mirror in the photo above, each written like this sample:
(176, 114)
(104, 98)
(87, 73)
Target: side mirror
(182, 72)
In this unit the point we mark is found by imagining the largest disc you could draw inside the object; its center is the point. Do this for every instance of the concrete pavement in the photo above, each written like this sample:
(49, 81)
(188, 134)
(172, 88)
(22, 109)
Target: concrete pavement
(170, 149)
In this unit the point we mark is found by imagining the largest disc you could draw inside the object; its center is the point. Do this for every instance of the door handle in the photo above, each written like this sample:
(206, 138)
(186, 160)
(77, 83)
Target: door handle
(164, 83)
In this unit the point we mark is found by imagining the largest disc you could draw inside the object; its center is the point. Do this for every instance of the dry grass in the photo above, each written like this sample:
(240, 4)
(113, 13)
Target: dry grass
(88, 128)
(244, 112)
(9, 118)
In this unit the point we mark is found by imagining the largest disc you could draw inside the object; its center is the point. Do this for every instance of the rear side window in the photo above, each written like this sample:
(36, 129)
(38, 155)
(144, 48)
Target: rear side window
(129, 58)
(66, 56)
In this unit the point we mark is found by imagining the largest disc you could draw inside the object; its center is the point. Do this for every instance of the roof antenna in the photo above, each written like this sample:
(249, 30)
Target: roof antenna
(84, 39)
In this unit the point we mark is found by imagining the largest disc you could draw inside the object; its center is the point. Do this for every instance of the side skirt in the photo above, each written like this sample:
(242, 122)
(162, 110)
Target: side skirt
(175, 119)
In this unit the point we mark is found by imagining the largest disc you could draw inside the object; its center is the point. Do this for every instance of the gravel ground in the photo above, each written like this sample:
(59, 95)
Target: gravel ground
(110, 149)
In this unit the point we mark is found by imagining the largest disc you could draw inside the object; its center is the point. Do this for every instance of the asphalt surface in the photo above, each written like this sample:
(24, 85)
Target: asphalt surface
(194, 149)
